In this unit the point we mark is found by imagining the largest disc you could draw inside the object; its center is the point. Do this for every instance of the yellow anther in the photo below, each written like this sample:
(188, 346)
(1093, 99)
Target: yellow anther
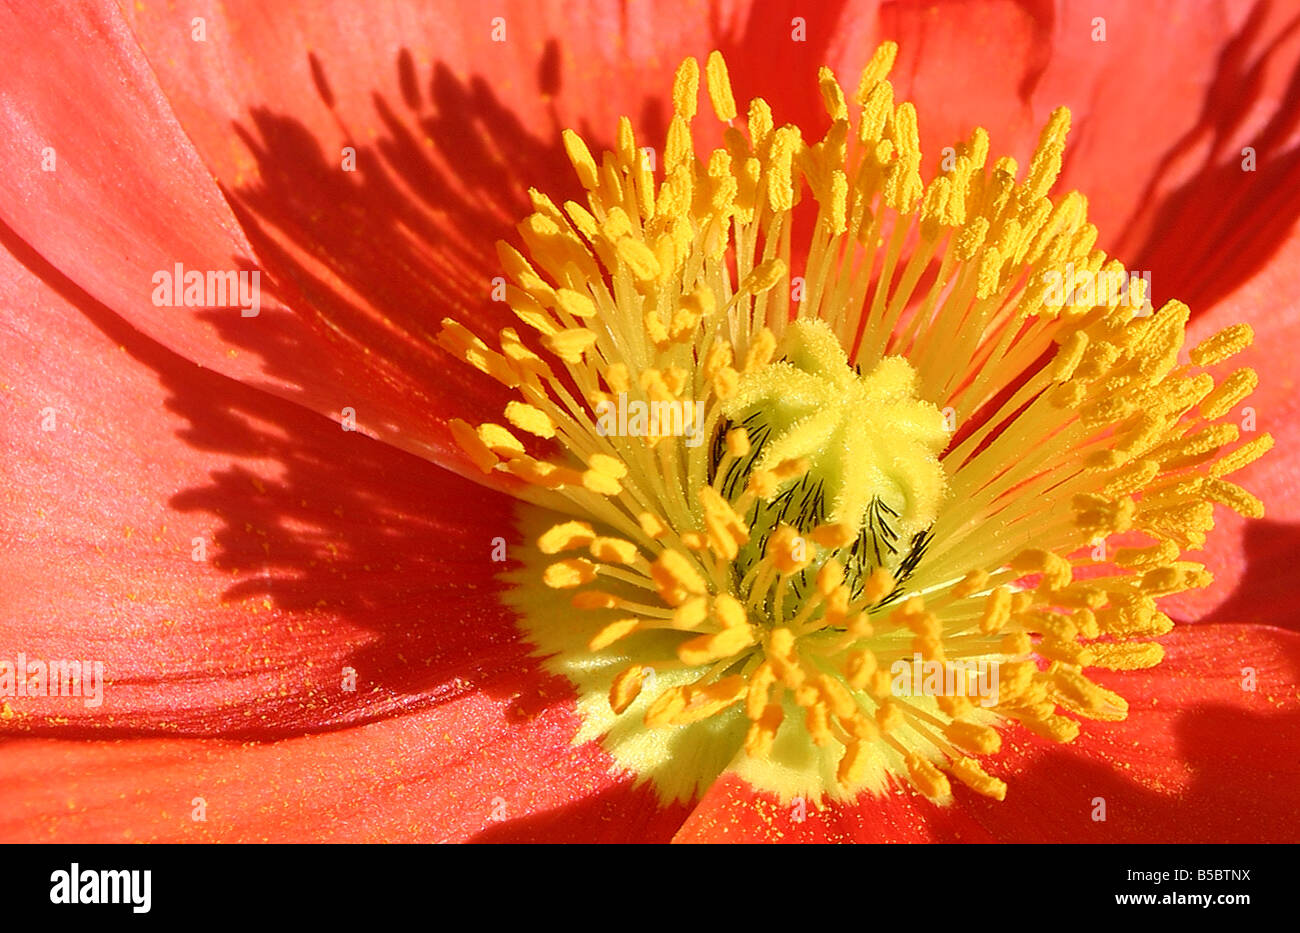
(1234, 497)
(526, 418)
(832, 94)
(790, 469)
(737, 441)
(610, 466)
(877, 586)
(911, 608)
(686, 89)
(760, 350)
(830, 577)
(1064, 650)
(1145, 558)
(678, 154)
(764, 277)
(639, 258)
(569, 345)
(889, 715)
(612, 633)
(781, 648)
(860, 626)
(1086, 621)
(1126, 656)
(854, 763)
(594, 599)
(997, 611)
(600, 483)
(703, 701)
(972, 583)
(665, 707)
(1015, 644)
(817, 720)
(1226, 343)
(613, 551)
(759, 691)
(652, 525)
(760, 123)
(1197, 447)
(1016, 678)
(762, 732)
(860, 669)
(788, 550)
(1242, 457)
(458, 340)
(876, 109)
(523, 359)
(1099, 518)
(1131, 478)
(468, 440)
(1056, 570)
(956, 705)
(1229, 393)
(838, 698)
(705, 649)
(1082, 696)
(565, 537)
(834, 535)
(574, 303)
(1046, 163)
(1069, 356)
(882, 60)
(730, 611)
(762, 484)
(727, 531)
(626, 688)
(691, 614)
(970, 773)
(928, 779)
(973, 737)
(498, 440)
(780, 178)
(581, 158)
(719, 84)
(573, 571)
(675, 578)
(1054, 728)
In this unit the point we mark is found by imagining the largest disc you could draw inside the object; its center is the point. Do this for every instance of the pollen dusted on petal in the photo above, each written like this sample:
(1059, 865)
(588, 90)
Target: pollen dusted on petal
(920, 461)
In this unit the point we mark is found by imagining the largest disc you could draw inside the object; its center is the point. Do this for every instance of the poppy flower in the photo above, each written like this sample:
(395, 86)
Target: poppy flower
(291, 527)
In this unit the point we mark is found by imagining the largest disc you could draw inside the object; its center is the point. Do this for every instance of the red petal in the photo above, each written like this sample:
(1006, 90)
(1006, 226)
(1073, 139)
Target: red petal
(486, 767)
(126, 204)
(323, 549)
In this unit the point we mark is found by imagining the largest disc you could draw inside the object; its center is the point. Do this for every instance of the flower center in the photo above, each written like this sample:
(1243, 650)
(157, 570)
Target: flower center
(840, 529)
(870, 447)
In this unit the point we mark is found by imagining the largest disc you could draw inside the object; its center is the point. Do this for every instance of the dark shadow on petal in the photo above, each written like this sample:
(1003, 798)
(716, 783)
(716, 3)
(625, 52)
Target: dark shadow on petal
(1217, 229)
(1266, 594)
(375, 245)
(620, 814)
